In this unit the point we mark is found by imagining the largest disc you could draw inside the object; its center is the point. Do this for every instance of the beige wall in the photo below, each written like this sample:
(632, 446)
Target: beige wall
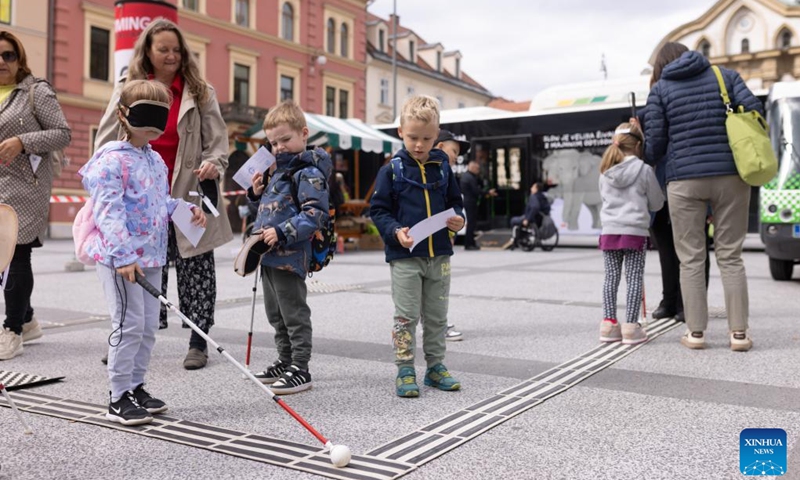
(29, 23)
(378, 112)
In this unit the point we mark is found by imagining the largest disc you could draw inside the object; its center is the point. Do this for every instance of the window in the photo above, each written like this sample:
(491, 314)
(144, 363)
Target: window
(382, 40)
(438, 61)
(99, 64)
(243, 13)
(331, 36)
(411, 50)
(705, 48)
(241, 84)
(192, 5)
(745, 45)
(343, 102)
(5, 11)
(344, 39)
(785, 40)
(287, 22)
(384, 91)
(330, 101)
(287, 88)
(458, 68)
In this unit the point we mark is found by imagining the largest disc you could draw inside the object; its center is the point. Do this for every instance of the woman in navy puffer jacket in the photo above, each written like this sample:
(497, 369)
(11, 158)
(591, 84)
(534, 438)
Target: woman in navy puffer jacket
(685, 135)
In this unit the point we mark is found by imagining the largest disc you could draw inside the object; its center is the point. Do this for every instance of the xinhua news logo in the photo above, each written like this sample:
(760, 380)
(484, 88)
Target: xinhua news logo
(762, 451)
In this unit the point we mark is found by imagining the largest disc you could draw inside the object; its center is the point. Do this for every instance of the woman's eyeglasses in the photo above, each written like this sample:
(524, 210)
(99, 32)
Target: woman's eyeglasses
(9, 56)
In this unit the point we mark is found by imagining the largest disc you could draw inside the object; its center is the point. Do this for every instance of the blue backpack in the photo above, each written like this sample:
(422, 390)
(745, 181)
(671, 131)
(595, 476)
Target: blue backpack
(323, 241)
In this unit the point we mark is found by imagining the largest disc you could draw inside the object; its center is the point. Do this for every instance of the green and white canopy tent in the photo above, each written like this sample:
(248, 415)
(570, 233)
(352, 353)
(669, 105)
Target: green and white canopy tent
(339, 134)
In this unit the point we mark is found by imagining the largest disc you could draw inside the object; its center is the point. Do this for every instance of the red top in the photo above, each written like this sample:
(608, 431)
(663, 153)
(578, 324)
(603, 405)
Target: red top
(167, 144)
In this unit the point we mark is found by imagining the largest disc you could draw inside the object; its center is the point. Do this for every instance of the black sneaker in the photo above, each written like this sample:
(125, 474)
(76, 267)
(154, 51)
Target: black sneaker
(293, 380)
(127, 411)
(143, 398)
(273, 373)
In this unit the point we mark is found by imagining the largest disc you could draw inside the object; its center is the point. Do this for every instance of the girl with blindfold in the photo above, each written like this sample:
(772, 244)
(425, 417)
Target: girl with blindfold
(630, 192)
(128, 184)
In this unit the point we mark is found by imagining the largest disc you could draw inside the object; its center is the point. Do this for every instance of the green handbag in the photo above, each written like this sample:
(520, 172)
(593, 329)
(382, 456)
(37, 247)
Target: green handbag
(748, 136)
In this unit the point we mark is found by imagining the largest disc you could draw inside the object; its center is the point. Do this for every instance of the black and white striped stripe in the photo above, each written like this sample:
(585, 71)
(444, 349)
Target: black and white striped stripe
(17, 380)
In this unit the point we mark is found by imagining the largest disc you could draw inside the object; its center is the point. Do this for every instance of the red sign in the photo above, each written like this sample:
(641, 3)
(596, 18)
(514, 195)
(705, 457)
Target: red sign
(131, 17)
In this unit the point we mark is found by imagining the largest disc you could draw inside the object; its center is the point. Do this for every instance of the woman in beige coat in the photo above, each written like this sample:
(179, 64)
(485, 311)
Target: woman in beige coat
(195, 148)
(32, 126)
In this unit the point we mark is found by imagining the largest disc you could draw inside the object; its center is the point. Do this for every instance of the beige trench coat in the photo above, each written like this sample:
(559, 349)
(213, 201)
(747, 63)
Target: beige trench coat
(203, 137)
(26, 190)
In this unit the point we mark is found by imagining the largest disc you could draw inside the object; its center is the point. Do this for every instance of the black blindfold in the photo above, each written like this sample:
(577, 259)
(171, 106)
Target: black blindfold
(147, 114)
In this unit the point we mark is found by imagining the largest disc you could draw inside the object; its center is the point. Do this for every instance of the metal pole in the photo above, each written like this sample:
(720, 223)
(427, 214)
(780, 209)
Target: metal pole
(394, 59)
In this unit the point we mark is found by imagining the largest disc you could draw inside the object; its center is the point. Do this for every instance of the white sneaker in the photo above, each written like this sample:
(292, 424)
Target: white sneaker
(452, 335)
(693, 340)
(31, 330)
(10, 344)
(740, 341)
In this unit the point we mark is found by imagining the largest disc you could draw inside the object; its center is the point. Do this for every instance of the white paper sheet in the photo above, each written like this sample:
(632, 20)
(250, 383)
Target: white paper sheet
(259, 162)
(4, 278)
(35, 161)
(429, 226)
(182, 218)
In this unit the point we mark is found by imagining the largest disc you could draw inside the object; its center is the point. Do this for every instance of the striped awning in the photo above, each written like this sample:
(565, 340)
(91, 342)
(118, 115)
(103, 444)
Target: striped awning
(340, 134)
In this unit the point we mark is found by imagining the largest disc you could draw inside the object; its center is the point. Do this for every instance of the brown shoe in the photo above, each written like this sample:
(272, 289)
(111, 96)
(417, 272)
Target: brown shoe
(195, 359)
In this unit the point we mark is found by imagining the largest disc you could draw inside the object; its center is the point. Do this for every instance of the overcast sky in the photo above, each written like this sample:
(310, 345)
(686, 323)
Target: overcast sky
(515, 48)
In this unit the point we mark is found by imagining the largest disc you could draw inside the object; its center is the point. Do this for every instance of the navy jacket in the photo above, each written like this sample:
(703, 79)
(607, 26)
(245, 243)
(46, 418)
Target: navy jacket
(537, 203)
(277, 208)
(391, 210)
(685, 126)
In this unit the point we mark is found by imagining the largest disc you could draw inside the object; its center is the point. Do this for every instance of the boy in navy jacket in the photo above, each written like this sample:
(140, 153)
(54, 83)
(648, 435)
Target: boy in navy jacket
(417, 184)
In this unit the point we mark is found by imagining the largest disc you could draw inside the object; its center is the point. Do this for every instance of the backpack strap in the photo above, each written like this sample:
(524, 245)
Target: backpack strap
(398, 177)
(291, 176)
(722, 89)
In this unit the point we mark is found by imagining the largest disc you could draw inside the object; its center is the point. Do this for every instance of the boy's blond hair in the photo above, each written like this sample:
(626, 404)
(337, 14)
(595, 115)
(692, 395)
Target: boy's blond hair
(422, 108)
(135, 90)
(287, 112)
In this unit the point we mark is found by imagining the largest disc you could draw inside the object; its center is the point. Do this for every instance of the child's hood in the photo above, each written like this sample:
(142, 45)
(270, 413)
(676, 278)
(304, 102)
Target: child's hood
(102, 151)
(317, 157)
(624, 174)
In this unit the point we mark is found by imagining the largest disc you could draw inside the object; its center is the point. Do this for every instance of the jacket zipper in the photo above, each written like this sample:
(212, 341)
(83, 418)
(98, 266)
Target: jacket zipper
(427, 202)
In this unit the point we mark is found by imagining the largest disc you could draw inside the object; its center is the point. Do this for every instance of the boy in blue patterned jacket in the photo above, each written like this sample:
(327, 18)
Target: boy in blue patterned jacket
(293, 206)
(417, 184)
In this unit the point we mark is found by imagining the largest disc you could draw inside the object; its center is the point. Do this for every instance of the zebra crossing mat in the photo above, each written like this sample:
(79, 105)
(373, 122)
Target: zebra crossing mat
(438, 438)
(282, 453)
(389, 461)
(17, 380)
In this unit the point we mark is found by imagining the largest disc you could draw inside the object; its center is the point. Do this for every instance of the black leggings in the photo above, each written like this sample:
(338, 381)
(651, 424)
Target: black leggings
(19, 288)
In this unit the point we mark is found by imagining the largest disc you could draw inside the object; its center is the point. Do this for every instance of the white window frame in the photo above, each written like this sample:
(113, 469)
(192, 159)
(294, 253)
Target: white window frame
(295, 20)
(246, 58)
(201, 7)
(384, 91)
(251, 14)
(339, 83)
(95, 88)
(287, 68)
(339, 17)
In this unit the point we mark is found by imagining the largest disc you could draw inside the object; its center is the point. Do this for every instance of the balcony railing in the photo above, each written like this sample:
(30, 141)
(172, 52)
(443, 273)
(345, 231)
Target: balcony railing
(236, 112)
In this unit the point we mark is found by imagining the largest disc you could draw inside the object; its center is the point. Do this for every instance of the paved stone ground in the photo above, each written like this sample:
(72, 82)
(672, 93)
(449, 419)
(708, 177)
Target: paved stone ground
(663, 412)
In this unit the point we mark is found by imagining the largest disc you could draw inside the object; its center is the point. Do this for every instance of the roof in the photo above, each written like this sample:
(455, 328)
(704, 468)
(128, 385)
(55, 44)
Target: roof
(510, 105)
(340, 134)
(591, 95)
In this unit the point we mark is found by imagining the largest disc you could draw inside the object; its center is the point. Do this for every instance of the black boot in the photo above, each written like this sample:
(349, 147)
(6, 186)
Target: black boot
(664, 311)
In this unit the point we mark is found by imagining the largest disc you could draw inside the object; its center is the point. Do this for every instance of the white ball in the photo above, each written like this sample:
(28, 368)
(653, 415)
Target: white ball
(340, 455)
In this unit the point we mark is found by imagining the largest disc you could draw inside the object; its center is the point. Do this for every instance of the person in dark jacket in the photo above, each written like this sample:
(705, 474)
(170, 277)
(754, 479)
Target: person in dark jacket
(473, 191)
(537, 206)
(685, 130)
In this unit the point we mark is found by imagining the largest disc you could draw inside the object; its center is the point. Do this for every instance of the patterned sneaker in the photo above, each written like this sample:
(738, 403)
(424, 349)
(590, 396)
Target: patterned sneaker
(273, 373)
(741, 342)
(610, 331)
(127, 412)
(452, 335)
(693, 340)
(10, 344)
(406, 382)
(293, 380)
(438, 376)
(146, 401)
(31, 330)
(633, 334)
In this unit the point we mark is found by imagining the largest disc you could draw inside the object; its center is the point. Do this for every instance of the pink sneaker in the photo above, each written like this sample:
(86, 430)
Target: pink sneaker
(633, 334)
(610, 331)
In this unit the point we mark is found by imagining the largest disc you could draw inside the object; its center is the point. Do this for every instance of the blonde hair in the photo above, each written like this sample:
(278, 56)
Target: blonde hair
(287, 112)
(422, 108)
(623, 144)
(140, 66)
(135, 90)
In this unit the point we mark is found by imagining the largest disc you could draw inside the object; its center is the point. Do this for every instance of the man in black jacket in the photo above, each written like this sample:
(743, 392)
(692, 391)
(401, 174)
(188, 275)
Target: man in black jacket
(473, 191)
